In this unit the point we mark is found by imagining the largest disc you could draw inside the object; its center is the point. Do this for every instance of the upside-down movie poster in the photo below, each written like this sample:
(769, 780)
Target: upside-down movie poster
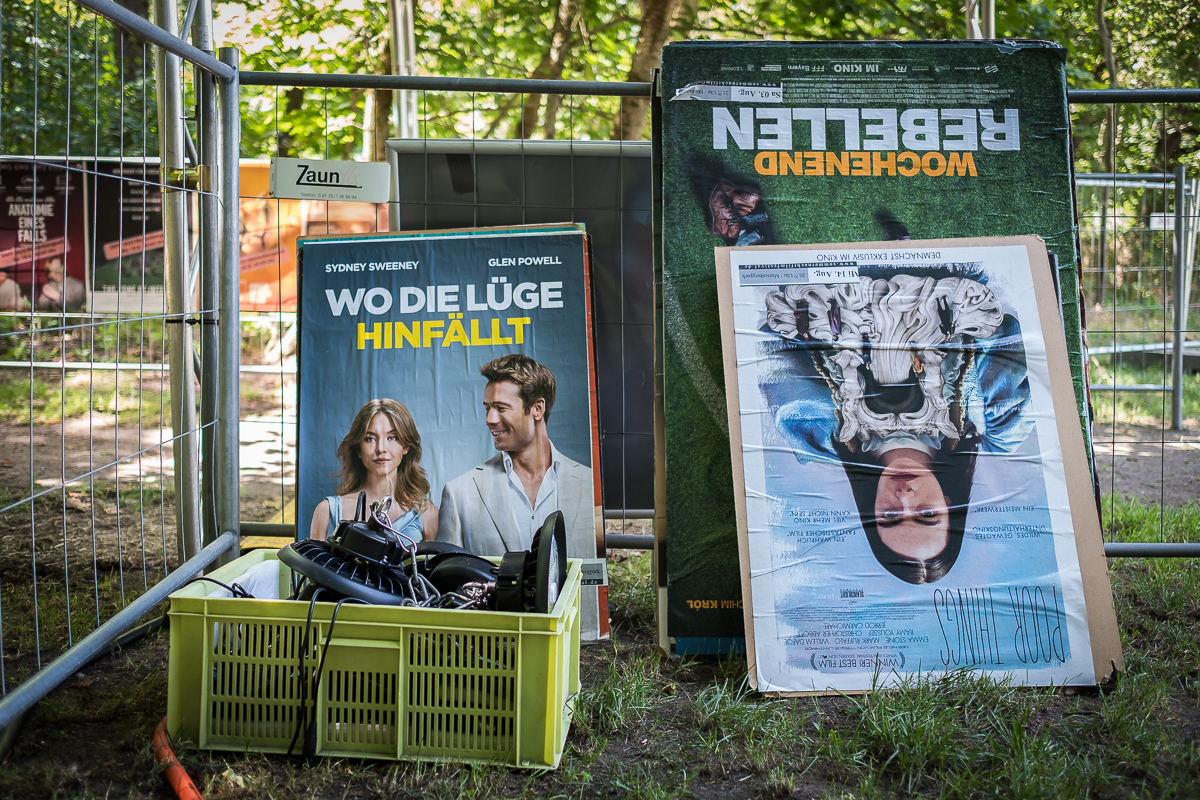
(914, 487)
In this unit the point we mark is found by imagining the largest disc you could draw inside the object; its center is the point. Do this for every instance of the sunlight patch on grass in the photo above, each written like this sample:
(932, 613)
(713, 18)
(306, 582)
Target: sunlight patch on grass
(43, 400)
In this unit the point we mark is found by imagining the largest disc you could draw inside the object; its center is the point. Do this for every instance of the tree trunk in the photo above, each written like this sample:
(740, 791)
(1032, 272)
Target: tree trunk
(560, 44)
(656, 28)
(127, 48)
(295, 101)
(1106, 44)
(381, 126)
(1108, 129)
(566, 16)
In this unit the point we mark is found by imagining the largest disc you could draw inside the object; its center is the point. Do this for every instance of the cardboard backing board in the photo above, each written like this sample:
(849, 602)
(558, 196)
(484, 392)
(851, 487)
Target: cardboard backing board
(912, 489)
(411, 317)
(786, 142)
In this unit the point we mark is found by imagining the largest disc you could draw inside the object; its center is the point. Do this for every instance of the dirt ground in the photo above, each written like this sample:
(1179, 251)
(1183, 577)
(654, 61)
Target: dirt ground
(1152, 465)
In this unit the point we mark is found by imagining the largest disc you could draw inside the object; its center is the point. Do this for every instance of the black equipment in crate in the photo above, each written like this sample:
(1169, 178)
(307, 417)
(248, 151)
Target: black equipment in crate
(370, 561)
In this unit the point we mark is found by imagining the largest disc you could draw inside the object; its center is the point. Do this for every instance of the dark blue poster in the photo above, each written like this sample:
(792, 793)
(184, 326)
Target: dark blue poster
(412, 319)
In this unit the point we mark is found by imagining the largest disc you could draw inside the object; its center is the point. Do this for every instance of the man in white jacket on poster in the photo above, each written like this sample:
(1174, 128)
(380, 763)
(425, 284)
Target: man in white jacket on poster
(500, 504)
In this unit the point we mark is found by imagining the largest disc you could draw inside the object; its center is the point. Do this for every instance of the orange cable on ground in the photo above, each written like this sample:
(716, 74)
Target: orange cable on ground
(173, 771)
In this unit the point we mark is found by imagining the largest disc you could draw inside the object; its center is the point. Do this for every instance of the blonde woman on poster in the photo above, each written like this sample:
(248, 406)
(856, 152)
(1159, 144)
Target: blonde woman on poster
(380, 455)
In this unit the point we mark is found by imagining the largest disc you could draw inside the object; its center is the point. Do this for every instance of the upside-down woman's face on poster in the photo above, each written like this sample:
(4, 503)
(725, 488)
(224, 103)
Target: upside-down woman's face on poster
(912, 512)
(898, 360)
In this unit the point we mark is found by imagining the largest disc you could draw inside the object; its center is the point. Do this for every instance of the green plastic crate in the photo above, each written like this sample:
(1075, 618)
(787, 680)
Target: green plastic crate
(399, 683)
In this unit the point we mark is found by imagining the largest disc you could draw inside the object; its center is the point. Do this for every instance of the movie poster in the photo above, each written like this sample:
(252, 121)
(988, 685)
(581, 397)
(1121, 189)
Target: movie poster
(904, 475)
(129, 260)
(776, 142)
(412, 318)
(43, 248)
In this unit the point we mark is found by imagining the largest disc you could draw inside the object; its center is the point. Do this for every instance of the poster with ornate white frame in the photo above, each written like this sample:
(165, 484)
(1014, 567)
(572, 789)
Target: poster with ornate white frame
(912, 487)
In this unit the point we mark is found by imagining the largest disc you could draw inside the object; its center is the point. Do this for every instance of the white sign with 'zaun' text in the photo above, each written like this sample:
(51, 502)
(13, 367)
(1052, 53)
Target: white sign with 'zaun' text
(309, 179)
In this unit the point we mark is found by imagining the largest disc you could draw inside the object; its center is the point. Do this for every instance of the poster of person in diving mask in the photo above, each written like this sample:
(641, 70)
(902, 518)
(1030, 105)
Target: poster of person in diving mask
(913, 489)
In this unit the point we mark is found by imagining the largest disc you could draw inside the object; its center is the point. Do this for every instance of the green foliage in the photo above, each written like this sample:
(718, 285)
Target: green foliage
(345, 36)
(732, 720)
(1151, 48)
(640, 782)
(828, 20)
(502, 39)
(71, 86)
(46, 396)
(92, 89)
(45, 622)
(512, 39)
(1127, 519)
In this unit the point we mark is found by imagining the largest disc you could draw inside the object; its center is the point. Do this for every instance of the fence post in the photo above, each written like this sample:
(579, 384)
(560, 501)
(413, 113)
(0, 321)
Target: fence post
(179, 337)
(1181, 302)
(210, 305)
(393, 161)
(230, 328)
(1191, 223)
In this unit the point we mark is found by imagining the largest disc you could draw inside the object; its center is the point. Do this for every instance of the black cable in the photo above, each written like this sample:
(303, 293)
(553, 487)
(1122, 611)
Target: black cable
(310, 740)
(236, 589)
(309, 750)
(302, 717)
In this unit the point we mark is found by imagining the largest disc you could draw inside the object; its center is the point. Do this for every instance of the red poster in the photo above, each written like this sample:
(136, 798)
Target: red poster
(43, 245)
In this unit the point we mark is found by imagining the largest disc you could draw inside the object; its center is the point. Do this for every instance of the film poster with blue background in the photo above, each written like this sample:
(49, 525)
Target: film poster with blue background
(801, 142)
(412, 318)
(905, 475)
(458, 301)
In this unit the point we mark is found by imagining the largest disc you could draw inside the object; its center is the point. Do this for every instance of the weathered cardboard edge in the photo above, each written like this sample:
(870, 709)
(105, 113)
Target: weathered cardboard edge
(531, 227)
(1103, 634)
(733, 406)
(658, 558)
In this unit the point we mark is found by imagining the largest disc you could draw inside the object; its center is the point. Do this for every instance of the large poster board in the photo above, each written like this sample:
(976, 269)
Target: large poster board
(778, 142)
(913, 492)
(412, 318)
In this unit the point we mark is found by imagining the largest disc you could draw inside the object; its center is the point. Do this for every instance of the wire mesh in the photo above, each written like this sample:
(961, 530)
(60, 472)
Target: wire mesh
(1137, 227)
(88, 485)
(1126, 235)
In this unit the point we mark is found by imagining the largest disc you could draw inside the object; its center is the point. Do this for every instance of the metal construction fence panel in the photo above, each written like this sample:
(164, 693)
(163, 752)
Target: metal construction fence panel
(110, 328)
(124, 419)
